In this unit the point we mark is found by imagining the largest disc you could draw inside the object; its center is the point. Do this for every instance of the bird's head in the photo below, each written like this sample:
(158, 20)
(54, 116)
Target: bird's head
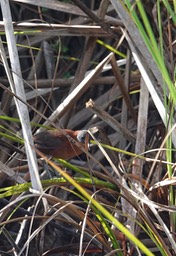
(81, 136)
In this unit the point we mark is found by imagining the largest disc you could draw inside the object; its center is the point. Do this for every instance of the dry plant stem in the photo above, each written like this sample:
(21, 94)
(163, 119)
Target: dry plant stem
(71, 9)
(58, 82)
(36, 69)
(86, 57)
(55, 5)
(13, 175)
(84, 62)
(103, 9)
(17, 87)
(166, 230)
(152, 87)
(159, 152)
(39, 93)
(77, 92)
(66, 249)
(136, 37)
(104, 100)
(83, 228)
(105, 140)
(110, 120)
(139, 148)
(143, 214)
(80, 73)
(121, 84)
(141, 129)
(49, 59)
(114, 139)
(94, 17)
(124, 113)
(90, 45)
(6, 101)
(52, 30)
(50, 68)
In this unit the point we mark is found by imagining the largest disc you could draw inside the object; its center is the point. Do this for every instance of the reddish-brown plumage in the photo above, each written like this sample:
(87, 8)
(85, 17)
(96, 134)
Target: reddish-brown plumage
(54, 143)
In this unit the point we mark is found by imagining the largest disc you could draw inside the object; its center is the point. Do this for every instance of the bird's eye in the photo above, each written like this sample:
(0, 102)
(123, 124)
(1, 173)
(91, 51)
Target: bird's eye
(81, 136)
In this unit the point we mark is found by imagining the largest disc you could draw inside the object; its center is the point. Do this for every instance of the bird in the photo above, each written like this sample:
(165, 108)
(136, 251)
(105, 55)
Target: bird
(56, 144)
